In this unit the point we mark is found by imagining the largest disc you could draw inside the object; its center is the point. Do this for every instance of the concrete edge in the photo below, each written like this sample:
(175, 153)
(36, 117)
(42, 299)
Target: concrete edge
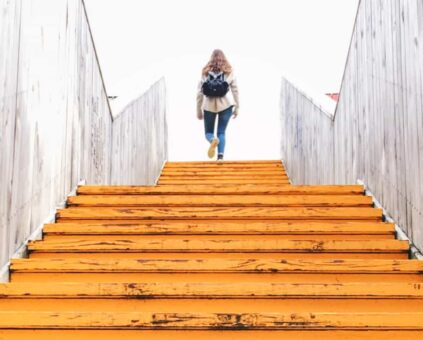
(160, 172)
(37, 234)
(415, 253)
(286, 171)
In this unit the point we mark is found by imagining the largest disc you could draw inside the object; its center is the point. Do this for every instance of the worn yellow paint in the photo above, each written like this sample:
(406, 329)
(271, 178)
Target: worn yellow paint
(241, 189)
(246, 290)
(188, 257)
(219, 266)
(227, 320)
(259, 213)
(221, 200)
(176, 227)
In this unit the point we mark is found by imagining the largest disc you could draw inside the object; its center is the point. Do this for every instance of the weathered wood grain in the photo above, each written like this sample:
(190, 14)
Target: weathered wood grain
(217, 321)
(133, 334)
(242, 189)
(93, 213)
(221, 200)
(228, 228)
(266, 213)
(55, 122)
(256, 290)
(216, 266)
(255, 163)
(220, 172)
(375, 134)
(218, 245)
(224, 181)
(139, 142)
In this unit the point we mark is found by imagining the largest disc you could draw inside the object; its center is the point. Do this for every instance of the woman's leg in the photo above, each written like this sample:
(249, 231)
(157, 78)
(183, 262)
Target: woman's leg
(224, 117)
(209, 121)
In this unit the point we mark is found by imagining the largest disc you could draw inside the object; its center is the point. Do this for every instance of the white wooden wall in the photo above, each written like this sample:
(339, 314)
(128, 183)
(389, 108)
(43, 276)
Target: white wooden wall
(56, 127)
(376, 134)
(141, 127)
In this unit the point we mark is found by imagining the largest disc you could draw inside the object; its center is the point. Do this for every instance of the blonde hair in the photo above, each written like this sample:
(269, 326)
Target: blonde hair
(217, 63)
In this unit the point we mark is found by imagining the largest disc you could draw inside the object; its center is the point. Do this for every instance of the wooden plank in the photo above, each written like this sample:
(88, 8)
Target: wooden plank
(219, 245)
(224, 178)
(222, 181)
(133, 334)
(141, 126)
(376, 132)
(222, 172)
(227, 228)
(221, 200)
(216, 266)
(248, 290)
(218, 321)
(245, 189)
(83, 213)
(55, 121)
(224, 163)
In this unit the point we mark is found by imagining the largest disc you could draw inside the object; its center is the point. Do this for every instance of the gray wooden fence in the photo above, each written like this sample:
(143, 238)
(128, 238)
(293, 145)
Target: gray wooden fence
(56, 126)
(376, 132)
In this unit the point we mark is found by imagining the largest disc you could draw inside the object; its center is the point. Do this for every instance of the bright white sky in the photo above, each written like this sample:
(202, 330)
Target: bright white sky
(140, 40)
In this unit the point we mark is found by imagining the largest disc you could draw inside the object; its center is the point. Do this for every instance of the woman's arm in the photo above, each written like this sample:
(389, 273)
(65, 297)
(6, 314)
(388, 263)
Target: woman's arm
(234, 89)
(200, 98)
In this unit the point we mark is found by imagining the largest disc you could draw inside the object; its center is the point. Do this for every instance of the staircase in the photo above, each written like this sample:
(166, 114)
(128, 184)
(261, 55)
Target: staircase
(222, 251)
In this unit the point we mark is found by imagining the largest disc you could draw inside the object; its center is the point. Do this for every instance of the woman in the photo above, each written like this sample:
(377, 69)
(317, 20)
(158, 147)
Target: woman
(209, 107)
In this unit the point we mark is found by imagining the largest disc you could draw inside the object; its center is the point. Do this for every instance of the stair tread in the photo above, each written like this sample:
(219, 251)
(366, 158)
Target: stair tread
(218, 245)
(372, 266)
(217, 320)
(223, 189)
(371, 290)
(318, 213)
(221, 200)
(219, 181)
(200, 228)
(215, 247)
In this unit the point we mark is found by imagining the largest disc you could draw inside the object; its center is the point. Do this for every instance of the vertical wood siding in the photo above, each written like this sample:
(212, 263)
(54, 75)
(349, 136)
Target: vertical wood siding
(376, 134)
(56, 127)
(141, 127)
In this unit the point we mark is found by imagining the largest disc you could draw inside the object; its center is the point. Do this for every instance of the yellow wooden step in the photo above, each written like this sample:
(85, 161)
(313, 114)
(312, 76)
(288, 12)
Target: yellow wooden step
(176, 227)
(237, 237)
(222, 200)
(194, 175)
(217, 266)
(229, 245)
(242, 161)
(246, 163)
(221, 172)
(191, 182)
(218, 277)
(266, 213)
(256, 290)
(132, 334)
(210, 305)
(218, 320)
(230, 181)
(244, 189)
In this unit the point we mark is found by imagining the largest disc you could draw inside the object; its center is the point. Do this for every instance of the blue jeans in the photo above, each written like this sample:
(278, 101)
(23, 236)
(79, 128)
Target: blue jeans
(209, 124)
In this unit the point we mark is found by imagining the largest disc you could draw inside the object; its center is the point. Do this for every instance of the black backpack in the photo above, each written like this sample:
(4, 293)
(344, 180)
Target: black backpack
(215, 86)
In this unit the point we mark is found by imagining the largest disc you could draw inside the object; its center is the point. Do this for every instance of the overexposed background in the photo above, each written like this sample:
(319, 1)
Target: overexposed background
(138, 41)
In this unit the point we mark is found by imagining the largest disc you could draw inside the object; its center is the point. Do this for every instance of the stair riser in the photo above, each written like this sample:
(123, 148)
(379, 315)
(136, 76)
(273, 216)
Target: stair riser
(211, 277)
(207, 335)
(65, 238)
(245, 189)
(221, 200)
(196, 256)
(143, 304)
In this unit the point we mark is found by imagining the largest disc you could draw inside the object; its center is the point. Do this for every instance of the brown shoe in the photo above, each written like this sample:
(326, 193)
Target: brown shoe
(212, 149)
